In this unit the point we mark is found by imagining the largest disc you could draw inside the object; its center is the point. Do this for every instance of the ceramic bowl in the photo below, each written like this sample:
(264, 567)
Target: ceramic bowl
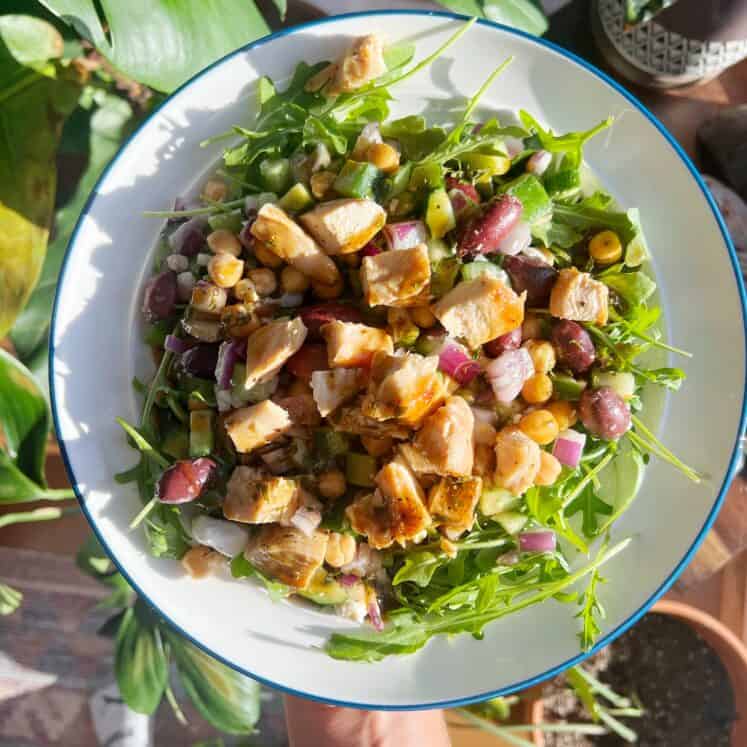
(96, 350)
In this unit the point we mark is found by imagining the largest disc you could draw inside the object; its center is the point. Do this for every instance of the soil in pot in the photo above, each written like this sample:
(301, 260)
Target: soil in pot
(678, 679)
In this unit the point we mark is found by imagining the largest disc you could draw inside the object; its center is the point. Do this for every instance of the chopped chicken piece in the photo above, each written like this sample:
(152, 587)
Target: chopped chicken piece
(252, 427)
(253, 501)
(269, 348)
(285, 238)
(350, 345)
(517, 460)
(395, 512)
(201, 561)
(480, 310)
(317, 82)
(333, 388)
(396, 278)
(577, 296)
(343, 226)
(484, 464)
(445, 443)
(287, 554)
(451, 503)
(301, 408)
(361, 63)
(351, 420)
(406, 387)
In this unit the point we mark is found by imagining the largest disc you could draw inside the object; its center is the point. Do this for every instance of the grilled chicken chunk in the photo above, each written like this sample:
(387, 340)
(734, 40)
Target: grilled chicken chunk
(269, 348)
(333, 388)
(451, 503)
(396, 278)
(395, 512)
(350, 345)
(284, 237)
(287, 554)
(480, 310)
(342, 226)
(406, 387)
(517, 460)
(252, 427)
(445, 443)
(577, 296)
(301, 408)
(362, 62)
(350, 419)
(253, 501)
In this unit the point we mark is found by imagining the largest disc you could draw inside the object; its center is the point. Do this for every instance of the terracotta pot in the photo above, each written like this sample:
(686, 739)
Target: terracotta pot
(728, 647)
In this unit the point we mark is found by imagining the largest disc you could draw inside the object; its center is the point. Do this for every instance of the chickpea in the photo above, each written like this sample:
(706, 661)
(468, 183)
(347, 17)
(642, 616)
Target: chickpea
(377, 447)
(293, 280)
(201, 561)
(208, 298)
(245, 291)
(542, 354)
(537, 389)
(564, 412)
(328, 292)
(332, 483)
(239, 320)
(215, 190)
(341, 549)
(225, 270)
(266, 256)
(549, 469)
(223, 240)
(321, 183)
(540, 426)
(605, 247)
(422, 316)
(384, 157)
(265, 282)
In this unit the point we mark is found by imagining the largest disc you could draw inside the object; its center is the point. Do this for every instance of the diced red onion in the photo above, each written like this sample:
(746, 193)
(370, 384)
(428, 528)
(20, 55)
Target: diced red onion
(291, 300)
(177, 345)
(516, 240)
(514, 145)
(508, 558)
(228, 354)
(245, 235)
(454, 360)
(370, 250)
(568, 447)
(374, 615)
(538, 162)
(348, 579)
(538, 541)
(306, 520)
(508, 372)
(189, 238)
(406, 234)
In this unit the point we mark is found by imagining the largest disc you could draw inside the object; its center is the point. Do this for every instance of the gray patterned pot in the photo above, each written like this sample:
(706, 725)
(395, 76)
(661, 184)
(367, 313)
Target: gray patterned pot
(691, 42)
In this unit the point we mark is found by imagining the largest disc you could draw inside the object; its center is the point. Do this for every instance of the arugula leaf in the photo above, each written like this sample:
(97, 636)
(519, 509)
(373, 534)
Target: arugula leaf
(242, 568)
(165, 532)
(590, 505)
(419, 567)
(570, 142)
(634, 287)
(591, 610)
(414, 136)
(316, 131)
(140, 663)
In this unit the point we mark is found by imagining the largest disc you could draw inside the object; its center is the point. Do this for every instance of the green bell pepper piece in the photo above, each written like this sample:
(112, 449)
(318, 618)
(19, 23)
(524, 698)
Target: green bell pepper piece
(275, 174)
(296, 199)
(356, 179)
(201, 437)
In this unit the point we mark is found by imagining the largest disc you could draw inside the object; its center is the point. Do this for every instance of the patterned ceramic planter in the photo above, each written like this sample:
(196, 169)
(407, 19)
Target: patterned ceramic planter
(673, 49)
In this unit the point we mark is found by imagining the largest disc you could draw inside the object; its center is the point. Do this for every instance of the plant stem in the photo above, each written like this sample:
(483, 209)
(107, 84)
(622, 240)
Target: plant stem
(221, 207)
(647, 338)
(146, 509)
(658, 448)
(175, 707)
(38, 514)
(60, 494)
(601, 689)
(589, 477)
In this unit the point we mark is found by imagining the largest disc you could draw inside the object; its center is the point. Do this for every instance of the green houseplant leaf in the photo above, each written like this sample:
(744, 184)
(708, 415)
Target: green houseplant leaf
(162, 43)
(226, 699)
(521, 14)
(34, 101)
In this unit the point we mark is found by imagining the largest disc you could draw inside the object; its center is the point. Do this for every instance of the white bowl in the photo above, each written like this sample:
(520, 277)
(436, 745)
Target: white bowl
(96, 350)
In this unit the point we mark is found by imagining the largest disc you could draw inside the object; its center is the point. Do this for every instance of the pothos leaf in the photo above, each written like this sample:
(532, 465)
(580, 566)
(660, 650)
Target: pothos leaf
(140, 663)
(226, 699)
(10, 599)
(159, 42)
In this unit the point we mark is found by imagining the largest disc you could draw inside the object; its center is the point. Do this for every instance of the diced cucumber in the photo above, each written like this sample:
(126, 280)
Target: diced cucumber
(323, 589)
(622, 382)
(360, 469)
(226, 221)
(438, 249)
(426, 176)
(201, 436)
(478, 268)
(492, 165)
(356, 179)
(443, 276)
(512, 521)
(532, 195)
(496, 500)
(397, 183)
(566, 387)
(296, 199)
(265, 198)
(275, 174)
(176, 443)
(439, 215)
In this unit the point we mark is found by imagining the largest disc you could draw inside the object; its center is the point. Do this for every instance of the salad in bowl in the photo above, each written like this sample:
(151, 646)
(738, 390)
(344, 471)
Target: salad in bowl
(395, 360)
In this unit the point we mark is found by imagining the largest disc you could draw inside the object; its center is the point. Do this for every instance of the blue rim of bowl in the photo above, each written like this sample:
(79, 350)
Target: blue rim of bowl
(733, 463)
